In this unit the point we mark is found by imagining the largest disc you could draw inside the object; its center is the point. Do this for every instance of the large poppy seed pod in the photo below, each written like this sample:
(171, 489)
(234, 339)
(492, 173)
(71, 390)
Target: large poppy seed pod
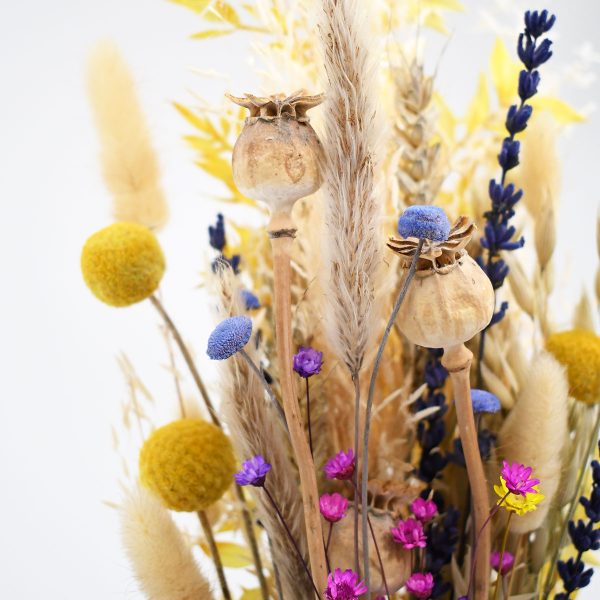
(450, 299)
(277, 158)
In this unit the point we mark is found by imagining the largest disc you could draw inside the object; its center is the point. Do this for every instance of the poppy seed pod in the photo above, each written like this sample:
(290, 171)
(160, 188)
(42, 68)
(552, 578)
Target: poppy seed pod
(451, 299)
(277, 157)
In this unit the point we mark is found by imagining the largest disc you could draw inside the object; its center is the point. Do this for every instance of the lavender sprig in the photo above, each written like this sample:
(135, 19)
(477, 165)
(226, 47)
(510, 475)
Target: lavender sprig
(499, 233)
(218, 241)
(584, 536)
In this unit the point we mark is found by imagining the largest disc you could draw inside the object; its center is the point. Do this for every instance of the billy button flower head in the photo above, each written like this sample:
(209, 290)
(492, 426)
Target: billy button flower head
(344, 585)
(229, 337)
(420, 585)
(424, 510)
(254, 472)
(341, 466)
(122, 264)
(579, 351)
(188, 464)
(484, 402)
(333, 507)
(308, 362)
(410, 534)
(424, 221)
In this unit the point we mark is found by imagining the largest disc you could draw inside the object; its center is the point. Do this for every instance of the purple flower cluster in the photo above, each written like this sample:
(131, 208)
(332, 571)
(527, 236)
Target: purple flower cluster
(308, 362)
(420, 585)
(218, 240)
(341, 466)
(584, 537)
(333, 507)
(518, 478)
(499, 233)
(410, 534)
(508, 561)
(254, 472)
(344, 585)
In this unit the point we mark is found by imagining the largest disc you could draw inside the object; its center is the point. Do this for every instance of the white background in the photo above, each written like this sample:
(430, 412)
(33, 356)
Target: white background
(60, 386)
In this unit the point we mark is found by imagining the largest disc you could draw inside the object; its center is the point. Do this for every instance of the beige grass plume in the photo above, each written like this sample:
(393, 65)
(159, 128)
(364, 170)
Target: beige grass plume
(535, 432)
(352, 209)
(162, 561)
(255, 430)
(129, 163)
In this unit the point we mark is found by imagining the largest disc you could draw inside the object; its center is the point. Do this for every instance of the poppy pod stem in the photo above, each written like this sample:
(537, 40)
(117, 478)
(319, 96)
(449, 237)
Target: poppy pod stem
(281, 231)
(457, 360)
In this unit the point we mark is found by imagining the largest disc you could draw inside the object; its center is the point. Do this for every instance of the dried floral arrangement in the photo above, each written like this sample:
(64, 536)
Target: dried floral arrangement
(396, 413)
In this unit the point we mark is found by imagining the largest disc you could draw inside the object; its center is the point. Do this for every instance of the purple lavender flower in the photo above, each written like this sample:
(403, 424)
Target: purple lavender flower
(251, 301)
(410, 534)
(341, 466)
(254, 472)
(484, 402)
(333, 507)
(424, 221)
(229, 337)
(424, 510)
(216, 234)
(517, 478)
(420, 585)
(344, 585)
(508, 561)
(308, 362)
(538, 23)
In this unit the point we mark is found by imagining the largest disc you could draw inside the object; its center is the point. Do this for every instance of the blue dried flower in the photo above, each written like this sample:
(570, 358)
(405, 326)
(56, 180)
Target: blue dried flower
(229, 337)
(509, 154)
(584, 536)
(424, 222)
(573, 576)
(251, 302)
(216, 234)
(538, 23)
(528, 84)
(254, 472)
(499, 315)
(308, 362)
(484, 402)
(517, 118)
(530, 55)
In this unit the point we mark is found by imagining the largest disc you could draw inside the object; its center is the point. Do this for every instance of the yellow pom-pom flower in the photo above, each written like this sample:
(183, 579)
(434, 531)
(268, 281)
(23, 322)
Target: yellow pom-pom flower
(189, 464)
(122, 263)
(516, 502)
(579, 351)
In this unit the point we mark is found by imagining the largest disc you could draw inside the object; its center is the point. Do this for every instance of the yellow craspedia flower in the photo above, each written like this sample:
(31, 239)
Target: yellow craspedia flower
(188, 464)
(516, 502)
(122, 263)
(579, 351)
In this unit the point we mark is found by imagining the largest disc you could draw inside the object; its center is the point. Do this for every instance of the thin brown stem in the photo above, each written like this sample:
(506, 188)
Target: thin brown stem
(246, 517)
(310, 439)
(356, 381)
(214, 552)
(457, 360)
(275, 570)
(522, 541)
(504, 540)
(327, 545)
(281, 230)
(385, 585)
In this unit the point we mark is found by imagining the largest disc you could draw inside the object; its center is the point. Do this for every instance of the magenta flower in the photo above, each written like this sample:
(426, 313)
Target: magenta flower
(344, 585)
(308, 362)
(333, 507)
(410, 534)
(517, 479)
(508, 560)
(420, 585)
(424, 510)
(341, 466)
(254, 472)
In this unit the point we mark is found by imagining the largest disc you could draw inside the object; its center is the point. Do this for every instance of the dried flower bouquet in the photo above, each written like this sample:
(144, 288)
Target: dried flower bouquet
(344, 453)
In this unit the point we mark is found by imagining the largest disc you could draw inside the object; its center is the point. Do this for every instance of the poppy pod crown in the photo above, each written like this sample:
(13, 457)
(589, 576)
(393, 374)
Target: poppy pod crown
(451, 298)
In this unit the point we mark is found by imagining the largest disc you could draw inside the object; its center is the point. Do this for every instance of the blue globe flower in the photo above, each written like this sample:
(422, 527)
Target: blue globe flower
(484, 402)
(424, 221)
(229, 337)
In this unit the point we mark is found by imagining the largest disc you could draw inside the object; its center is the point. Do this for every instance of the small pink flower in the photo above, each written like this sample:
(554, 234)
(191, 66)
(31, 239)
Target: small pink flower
(424, 510)
(333, 507)
(517, 478)
(508, 560)
(344, 585)
(420, 585)
(410, 534)
(341, 466)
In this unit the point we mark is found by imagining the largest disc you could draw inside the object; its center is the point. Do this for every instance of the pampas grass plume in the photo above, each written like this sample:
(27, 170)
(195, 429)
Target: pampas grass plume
(162, 561)
(536, 430)
(129, 163)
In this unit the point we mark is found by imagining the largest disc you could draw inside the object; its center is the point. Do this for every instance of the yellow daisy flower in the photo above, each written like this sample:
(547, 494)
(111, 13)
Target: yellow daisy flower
(515, 502)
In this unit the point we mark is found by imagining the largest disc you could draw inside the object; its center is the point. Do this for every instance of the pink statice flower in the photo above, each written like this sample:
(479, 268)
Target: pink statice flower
(508, 560)
(424, 510)
(333, 507)
(341, 466)
(517, 478)
(344, 585)
(420, 585)
(410, 534)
